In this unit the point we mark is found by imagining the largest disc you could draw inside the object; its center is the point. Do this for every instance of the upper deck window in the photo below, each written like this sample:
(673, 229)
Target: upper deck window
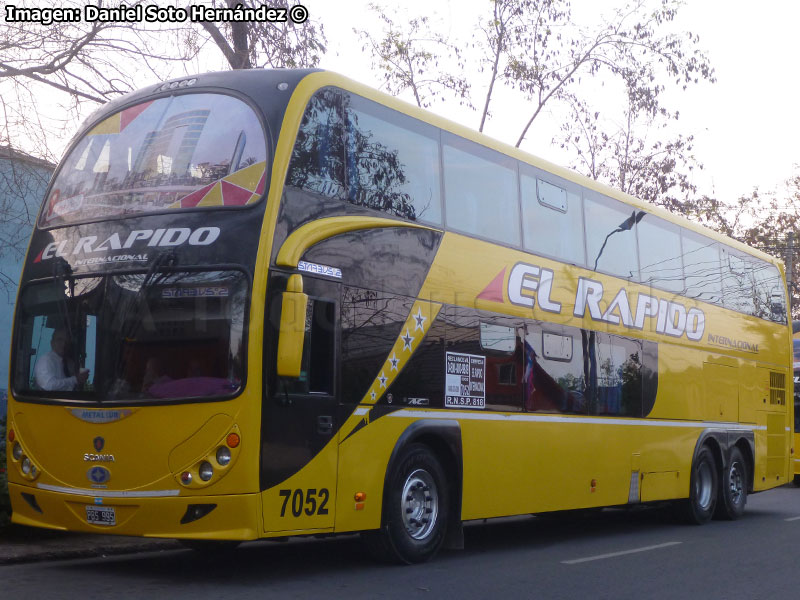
(552, 217)
(188, 151)
(481, 191)
(660, 254)
(610, 236)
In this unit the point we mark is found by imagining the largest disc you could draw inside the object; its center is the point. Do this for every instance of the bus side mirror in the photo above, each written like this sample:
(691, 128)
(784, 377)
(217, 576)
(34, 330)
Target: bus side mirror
(292, 328)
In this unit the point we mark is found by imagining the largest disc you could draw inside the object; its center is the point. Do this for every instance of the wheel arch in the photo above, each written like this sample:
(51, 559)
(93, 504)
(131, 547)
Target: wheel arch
(721, 441)
(443, 438)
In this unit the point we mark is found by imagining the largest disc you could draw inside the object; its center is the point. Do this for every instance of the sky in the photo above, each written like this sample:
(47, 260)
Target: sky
(746, 125)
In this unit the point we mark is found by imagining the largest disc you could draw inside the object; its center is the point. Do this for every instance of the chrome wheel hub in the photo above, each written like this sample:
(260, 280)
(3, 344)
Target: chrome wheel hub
(420, 504)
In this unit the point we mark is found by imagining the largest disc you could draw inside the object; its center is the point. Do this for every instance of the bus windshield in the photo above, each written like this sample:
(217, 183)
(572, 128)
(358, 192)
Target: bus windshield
(144, 336)
(187, 151)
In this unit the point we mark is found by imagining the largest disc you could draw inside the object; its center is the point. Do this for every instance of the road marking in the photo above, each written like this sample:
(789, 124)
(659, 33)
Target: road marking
(793, 519)
(621, 553)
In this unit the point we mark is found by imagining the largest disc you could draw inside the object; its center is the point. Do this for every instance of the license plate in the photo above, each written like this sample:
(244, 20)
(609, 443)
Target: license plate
(101, 515)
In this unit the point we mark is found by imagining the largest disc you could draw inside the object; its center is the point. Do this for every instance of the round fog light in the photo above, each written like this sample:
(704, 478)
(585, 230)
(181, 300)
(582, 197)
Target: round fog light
(186, 478)
(206, 471)
(16, 452)
(26, 465)
(223, 455)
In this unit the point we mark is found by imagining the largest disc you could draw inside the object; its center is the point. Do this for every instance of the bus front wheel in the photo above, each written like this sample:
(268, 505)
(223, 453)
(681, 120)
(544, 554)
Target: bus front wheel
(415, 509)
(733, 489)
(699, 507)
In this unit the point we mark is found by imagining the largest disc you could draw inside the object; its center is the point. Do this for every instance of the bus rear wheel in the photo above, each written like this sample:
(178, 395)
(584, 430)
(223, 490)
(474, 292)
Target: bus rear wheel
(415, 511)
(733, 488)
(699, 507)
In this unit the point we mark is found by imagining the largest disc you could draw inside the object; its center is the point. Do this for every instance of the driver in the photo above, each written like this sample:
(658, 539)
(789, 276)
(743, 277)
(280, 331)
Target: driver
(49, 371)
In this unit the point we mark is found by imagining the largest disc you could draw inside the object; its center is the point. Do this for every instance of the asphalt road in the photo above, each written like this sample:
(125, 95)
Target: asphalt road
(642, 554)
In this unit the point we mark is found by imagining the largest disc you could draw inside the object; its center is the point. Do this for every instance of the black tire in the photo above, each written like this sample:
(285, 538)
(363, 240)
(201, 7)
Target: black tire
(733, 487)
(797, 480)
(415, 509)
(703, 489)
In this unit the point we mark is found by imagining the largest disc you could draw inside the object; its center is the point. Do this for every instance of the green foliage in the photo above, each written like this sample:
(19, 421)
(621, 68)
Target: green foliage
(411, 56)
(5, 502)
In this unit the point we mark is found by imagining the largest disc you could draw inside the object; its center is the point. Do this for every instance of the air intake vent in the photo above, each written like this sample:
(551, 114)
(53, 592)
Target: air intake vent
(777, 388)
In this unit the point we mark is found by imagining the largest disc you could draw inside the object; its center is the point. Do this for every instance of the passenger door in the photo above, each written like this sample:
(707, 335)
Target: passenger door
(298, 450)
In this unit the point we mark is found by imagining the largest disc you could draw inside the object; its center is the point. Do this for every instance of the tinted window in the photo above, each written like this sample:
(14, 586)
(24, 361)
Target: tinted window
(316, 371)
(553, 376)
(738, 281)
(494, 376)
(371, 323)
(392, 162)
(480, 191)
(552, 218)
(619, 377)
(173, 153)
(660, 254)
(770, 296)
(140, 336)
(422, 381)
(610, 247)
(701, 267)
(317, 162)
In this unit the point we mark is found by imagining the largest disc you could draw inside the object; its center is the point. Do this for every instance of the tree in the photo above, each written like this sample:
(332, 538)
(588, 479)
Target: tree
(550, 59)
(634, 156)
(533, 47)
(65, 68)
(254, 44)
(410, 59)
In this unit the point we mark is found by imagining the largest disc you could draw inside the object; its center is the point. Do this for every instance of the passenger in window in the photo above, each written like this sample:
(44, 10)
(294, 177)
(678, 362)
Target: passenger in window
(153, 374)
(195, 369)
(50, 371)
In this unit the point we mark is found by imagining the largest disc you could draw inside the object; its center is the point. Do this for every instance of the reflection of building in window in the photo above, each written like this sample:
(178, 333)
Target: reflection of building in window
(169, 150)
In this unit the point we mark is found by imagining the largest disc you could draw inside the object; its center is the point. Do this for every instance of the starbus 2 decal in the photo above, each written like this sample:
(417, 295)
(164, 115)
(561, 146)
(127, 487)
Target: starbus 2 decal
(531, 284)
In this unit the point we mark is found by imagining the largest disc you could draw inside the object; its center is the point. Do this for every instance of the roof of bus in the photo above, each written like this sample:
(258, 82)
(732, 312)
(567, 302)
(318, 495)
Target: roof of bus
(313, 79)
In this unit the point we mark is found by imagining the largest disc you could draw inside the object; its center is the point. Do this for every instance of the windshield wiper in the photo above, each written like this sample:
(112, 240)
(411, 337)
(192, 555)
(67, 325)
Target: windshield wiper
(62, 274)
(165, 258)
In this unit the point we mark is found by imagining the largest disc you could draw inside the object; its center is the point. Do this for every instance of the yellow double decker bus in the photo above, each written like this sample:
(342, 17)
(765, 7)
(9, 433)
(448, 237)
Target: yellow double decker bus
(263, 304)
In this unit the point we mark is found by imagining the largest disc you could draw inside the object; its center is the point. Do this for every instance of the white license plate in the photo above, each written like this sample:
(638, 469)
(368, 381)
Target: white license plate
(101, 515)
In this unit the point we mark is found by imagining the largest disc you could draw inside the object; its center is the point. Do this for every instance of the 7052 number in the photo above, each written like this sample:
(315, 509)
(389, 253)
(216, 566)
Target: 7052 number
(311, 501)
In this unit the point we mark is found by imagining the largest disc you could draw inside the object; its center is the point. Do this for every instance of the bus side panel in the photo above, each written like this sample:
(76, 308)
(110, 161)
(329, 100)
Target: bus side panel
(518, 464)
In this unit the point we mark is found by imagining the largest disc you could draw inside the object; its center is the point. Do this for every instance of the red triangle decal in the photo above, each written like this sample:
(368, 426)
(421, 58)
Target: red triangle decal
(261, 184)
(129, 114)
(194, 198)
(233, 195)
(494, 291)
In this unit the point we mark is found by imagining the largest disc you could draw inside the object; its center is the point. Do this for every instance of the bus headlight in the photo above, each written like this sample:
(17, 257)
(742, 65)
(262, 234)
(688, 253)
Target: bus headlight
(26, 466)
(223, 456)
(16, 451)
(206, 471)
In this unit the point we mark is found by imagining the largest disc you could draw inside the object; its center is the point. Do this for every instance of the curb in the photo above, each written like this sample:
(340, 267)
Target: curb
(35, 546)
(97, 551)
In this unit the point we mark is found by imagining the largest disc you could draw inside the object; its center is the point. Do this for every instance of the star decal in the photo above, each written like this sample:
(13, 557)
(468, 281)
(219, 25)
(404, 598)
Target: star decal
(395, 361)
(372, 395)
(420, 320)
(407, 339)
(383, 379)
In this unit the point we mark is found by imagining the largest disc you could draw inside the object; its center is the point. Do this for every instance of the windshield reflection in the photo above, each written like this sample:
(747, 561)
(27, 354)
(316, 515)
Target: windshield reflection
(135, 336)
